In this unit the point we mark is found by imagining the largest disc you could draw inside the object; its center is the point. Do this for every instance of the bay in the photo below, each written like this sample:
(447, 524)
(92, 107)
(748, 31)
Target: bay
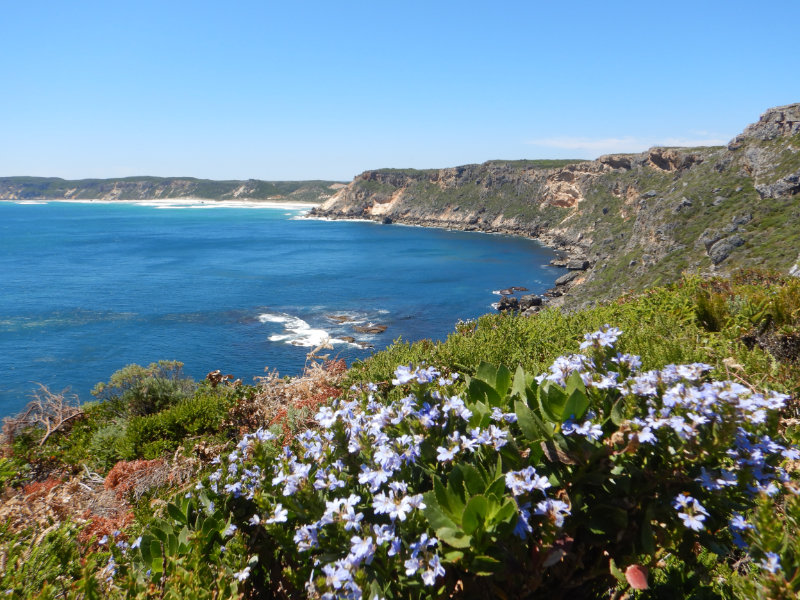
(87, 288)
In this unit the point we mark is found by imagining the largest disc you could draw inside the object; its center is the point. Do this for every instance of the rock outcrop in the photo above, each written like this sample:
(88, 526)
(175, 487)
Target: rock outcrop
(623, 221)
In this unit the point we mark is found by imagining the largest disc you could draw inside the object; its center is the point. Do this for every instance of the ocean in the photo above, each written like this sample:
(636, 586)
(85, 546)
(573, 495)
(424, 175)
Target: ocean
(88, 288)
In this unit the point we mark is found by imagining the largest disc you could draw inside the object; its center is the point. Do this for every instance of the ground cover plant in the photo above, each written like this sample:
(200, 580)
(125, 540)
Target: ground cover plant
(653, 457)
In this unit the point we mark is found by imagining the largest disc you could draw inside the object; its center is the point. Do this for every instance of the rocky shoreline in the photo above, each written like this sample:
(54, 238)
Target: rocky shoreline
(620, 223)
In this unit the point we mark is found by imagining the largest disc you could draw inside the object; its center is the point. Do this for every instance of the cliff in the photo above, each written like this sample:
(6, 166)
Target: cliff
(154, 188)
(631, 220)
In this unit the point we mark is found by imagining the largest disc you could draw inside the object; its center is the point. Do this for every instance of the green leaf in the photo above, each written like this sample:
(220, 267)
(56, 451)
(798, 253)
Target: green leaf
(507, 513)
(456, 491)
(575, 382)
(488, 373)
(474, 482)
(454, 537)
(475, 513)
(503, 381)
(478, 390)
(144, 548)
(453, 556)
(155, 551)
(210, 525)
(177, 514)
(533, 428)
(612, 566)
(519, 385)
(497, 488)
(618, 412)
(551, 401)
(435, 514)
(159, 533)
(575, 406)
(485, 566)
(172, 545)
(183, 540)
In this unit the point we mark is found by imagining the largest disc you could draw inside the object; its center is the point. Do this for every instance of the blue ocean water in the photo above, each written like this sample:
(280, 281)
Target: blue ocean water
(89, 288)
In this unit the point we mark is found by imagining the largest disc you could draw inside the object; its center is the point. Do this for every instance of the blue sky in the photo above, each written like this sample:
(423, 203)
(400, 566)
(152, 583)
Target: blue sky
(301, 90)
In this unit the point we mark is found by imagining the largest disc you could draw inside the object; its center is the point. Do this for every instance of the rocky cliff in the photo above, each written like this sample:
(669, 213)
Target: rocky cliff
(155, 188)
(632, 220)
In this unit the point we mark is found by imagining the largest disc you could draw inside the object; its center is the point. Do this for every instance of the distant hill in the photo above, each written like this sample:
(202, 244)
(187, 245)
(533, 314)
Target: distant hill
(154, 188)
(627, 221)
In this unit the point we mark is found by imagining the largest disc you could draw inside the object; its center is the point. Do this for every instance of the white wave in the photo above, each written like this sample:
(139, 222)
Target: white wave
(298, 332)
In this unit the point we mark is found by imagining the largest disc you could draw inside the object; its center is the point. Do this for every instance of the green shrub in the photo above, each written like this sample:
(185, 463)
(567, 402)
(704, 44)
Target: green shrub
(33, 558)
(141, 391)
(106, 446)
(152, 435)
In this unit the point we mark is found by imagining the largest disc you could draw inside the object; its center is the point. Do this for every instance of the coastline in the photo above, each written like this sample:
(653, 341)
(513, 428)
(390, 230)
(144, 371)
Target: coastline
(176, 202)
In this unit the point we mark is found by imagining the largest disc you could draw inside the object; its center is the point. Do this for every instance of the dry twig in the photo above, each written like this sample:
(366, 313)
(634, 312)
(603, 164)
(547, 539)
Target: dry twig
(47, 410)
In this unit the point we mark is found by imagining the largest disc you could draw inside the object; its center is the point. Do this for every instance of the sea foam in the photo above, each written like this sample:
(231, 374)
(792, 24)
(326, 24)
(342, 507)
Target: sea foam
(297, 332)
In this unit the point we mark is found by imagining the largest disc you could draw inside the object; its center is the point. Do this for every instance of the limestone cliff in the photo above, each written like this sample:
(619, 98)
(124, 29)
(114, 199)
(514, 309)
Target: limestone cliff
(637, 219)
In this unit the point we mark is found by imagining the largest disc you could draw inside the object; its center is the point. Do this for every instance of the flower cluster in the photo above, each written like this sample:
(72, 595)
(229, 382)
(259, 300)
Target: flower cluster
(362, 466)
(350, 494)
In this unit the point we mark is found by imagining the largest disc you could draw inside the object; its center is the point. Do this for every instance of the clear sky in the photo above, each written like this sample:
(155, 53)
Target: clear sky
(301, 89)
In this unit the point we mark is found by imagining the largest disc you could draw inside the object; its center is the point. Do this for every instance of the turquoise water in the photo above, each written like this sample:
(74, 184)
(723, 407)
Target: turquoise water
(89, 288)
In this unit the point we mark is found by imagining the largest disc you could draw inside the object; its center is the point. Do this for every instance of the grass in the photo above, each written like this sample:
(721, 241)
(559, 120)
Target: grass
(663, 326)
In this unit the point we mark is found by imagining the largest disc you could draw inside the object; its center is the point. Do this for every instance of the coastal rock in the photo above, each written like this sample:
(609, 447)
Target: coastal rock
(370, 328)
(795, 270)
(722, 249)
(578, 264)
(339, 318)
(508, 303)
(780, 121)
(710, 237)
(511, 290)
(529, 300)
(787, 186)
(565, 279)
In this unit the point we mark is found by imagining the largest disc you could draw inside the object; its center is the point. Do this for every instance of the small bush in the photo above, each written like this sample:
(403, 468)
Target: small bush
(143, 391)
(106, 446)
(149, 436)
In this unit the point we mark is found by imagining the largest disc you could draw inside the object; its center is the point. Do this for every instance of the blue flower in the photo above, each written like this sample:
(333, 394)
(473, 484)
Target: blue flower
(771, 563)
(555, 510)
(435, 569)
(403, 374)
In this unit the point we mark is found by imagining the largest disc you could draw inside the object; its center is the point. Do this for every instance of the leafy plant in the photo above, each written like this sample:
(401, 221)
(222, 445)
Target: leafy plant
(516, 484)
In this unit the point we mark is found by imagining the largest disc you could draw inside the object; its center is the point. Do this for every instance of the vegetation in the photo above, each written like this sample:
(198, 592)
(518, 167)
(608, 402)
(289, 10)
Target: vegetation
(557, 455)
(138, 188)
